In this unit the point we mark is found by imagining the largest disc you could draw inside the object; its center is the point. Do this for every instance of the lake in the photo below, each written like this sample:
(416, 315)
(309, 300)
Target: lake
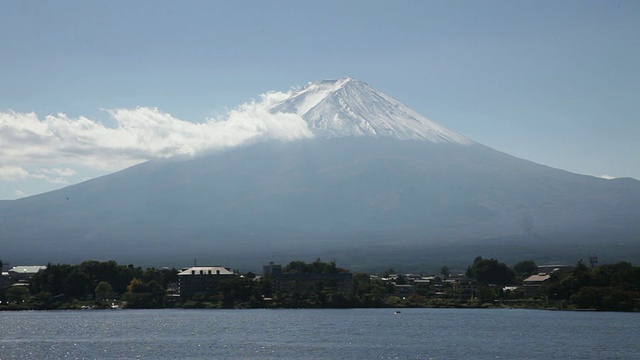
(319, 334)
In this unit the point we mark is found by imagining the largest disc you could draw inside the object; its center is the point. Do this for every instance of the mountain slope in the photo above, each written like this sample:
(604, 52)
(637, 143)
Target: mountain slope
(320, 197)
(349, 107)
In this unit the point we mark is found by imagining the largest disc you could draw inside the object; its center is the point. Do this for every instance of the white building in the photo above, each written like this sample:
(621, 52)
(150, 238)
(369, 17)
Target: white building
(201, 279)
(24, 273)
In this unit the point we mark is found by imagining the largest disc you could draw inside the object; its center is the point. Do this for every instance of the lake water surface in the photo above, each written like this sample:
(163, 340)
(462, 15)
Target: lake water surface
(319, 334)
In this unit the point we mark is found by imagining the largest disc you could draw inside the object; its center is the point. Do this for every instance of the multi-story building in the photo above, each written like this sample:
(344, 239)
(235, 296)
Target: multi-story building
(533, 283)
(22, 274)
(202, 279)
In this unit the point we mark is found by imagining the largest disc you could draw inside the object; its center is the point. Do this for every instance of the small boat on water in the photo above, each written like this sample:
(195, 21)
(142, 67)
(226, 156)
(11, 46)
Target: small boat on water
(398, 312)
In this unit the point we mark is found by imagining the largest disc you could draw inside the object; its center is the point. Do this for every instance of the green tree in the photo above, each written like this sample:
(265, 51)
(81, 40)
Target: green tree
(142, 295)
(393, 301)
(238, 290)
(43, 301)
(123, 276)
(103, 290)
(401, 280)
(386, 273)
(136, 286)
(606, 298)
(445, 272)
(368, 292)
(296, 266)
(77, 284)
(485, 294)
(17, 294)
(317, 266)
(140, 301)
(51, 280)
(525, 268)
(490, 271)
(117, 276)
(157, 292)
(561, 286)
(265, 287)
(621, 275)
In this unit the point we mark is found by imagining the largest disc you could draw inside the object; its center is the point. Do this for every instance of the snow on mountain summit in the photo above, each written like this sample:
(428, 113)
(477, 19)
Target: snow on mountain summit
(349, 107)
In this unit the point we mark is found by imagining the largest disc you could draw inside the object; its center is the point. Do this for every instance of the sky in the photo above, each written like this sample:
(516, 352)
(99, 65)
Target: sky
(90, 88)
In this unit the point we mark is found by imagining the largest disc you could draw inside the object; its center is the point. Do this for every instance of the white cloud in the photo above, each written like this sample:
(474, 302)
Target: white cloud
(43, 153)
(608, 177)
(140, 134)
(272, 98)
(63, 172)
(49, 179)
(13, 173)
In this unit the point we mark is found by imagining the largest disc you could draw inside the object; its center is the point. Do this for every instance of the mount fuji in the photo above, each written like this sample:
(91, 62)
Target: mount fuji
(348, 107)
(378, 185)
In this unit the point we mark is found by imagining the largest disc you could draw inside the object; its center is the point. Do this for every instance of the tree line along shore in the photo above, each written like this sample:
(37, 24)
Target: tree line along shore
(486, 283)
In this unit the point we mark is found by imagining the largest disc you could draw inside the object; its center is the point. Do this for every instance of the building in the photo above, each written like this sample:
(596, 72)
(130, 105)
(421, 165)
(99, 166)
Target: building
(549, 269)
(5, 280)
(304, 283)
(22, 274)
(463, 287)
(271, 269)
(533, 283)
(202, 279)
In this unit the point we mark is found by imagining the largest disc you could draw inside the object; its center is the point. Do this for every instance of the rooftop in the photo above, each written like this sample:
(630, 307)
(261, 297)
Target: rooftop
(32, 269)
(537, 278)
(206, 270)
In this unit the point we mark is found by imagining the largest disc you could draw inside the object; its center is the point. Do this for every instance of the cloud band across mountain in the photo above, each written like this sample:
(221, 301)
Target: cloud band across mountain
(141, 134)
(329, 109)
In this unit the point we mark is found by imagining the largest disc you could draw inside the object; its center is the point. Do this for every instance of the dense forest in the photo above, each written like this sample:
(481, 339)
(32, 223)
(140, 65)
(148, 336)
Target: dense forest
(486, 283)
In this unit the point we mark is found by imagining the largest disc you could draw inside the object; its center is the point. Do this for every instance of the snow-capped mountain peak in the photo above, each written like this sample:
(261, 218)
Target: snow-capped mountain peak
(349, 107)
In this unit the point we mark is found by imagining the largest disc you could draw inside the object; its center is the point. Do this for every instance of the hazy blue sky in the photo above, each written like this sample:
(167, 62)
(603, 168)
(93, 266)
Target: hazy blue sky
(91, 87)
